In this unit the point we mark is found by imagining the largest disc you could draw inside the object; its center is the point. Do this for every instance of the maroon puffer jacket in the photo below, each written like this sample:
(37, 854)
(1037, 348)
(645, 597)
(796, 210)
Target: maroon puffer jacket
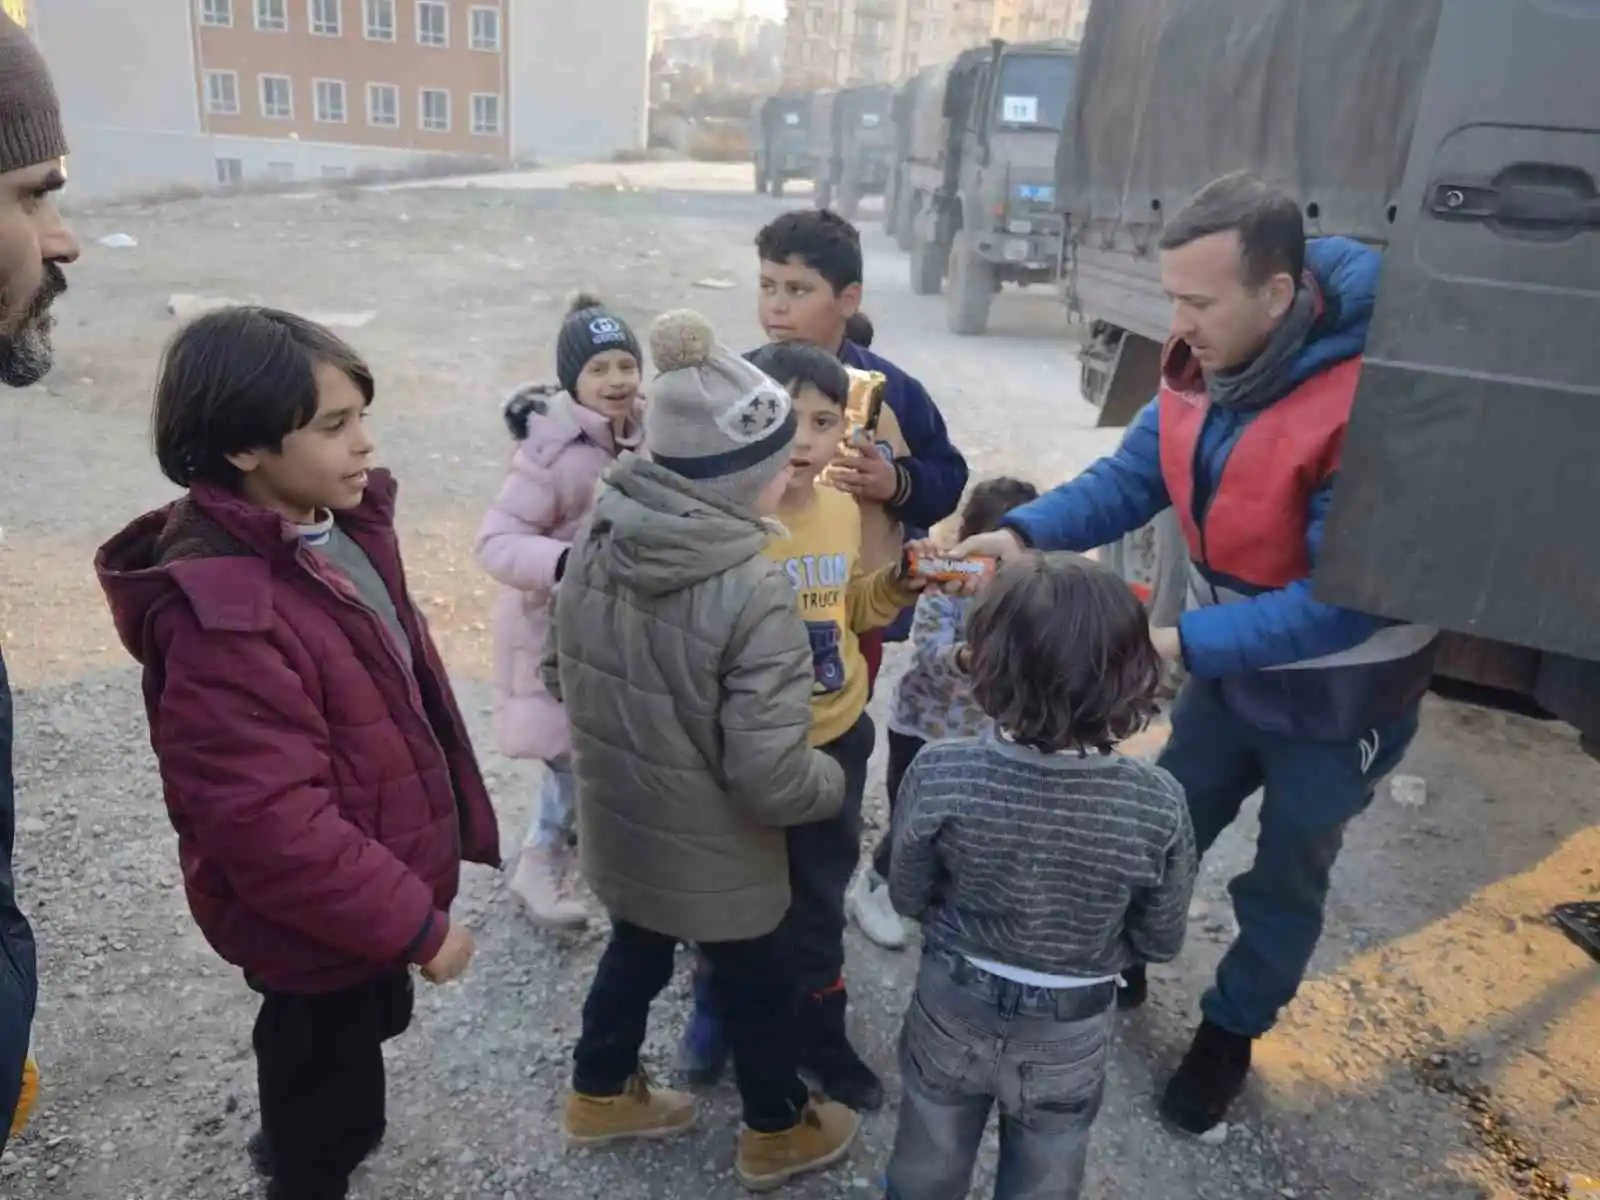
(324, 794)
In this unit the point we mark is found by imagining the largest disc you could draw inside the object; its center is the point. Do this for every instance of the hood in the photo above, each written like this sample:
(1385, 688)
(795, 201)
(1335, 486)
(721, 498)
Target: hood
(1346, 273)
(658, 535)
(216, 552)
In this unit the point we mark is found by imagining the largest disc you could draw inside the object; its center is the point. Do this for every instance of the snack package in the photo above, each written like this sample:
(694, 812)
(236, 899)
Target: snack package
(941, 568)
(865, 405)
(30, 1093)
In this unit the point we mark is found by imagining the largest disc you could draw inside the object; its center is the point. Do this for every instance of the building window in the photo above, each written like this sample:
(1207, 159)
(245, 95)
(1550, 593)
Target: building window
(280, 172)
(486, 114)
(486, 29)
(330, 100)
(272, 16)
(326, 19)
(216, 12)
(277, 97)
(222, 93)
(380, 20)
(383, 105)
(230, 172)
(433, 23)
(436, 110)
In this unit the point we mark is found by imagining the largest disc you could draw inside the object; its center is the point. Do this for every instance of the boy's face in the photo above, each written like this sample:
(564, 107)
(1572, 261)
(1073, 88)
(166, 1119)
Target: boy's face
(821, 429)
(320, 466)
(609, 384)
(799, 305)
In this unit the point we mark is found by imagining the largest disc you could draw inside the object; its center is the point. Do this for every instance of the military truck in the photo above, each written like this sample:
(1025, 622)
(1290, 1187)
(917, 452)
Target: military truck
(1466, 486)
(897, 195)
(851, 137)
(976, 187)
(780, 140)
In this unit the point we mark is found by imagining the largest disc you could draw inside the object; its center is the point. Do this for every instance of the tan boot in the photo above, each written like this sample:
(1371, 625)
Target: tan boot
(538, 883)
(822, 1137)
(642, 1112)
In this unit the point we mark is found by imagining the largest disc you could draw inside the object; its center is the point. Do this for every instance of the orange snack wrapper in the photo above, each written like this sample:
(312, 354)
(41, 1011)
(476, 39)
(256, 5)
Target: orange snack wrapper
(30, 1094)
(941, 568)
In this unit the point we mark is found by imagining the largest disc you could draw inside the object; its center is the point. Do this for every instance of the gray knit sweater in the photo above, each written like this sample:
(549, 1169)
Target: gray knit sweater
(1067, 865)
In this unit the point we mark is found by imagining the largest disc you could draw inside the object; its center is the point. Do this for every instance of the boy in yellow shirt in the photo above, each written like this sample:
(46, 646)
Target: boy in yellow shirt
(839, 599)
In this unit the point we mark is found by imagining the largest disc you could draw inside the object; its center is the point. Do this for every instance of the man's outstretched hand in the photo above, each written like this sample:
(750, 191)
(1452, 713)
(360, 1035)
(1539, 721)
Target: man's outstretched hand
(1002, 545)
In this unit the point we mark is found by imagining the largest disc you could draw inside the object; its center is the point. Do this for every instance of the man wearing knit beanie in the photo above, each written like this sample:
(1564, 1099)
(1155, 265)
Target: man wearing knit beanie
(34, 241)
(33, 246)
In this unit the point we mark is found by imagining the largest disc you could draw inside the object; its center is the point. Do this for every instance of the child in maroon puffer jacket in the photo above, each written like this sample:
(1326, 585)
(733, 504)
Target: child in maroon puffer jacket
(315, 764)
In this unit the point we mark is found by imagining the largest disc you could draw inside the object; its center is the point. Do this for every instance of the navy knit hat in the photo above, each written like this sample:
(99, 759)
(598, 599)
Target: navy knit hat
(590, 329)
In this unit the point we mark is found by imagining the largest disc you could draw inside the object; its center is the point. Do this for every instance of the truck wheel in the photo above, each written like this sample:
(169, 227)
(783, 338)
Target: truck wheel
(904, 232)
(927, 266)
(776, 187)
(971, 289)
(891, 209)
(761, 180)
(849, 205)
(824, 193)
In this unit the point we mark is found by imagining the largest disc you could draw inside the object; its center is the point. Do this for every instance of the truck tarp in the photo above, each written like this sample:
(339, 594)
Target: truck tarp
(1321, 98)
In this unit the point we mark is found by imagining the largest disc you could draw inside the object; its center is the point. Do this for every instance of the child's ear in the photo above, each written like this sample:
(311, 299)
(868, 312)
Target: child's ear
(850, 300)
(246, 462)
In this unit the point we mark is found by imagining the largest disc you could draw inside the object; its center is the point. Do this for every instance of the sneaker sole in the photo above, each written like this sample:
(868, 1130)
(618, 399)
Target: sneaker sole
(771, 1183)
(897, 946)
(578, 1142)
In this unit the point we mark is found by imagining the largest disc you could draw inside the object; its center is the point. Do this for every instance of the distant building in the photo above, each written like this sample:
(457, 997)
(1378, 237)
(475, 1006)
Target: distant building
(1039, 20)
(225, 92)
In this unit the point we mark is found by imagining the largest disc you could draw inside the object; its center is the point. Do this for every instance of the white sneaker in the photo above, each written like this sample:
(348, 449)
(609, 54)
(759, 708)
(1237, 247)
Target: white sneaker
(868, 903)
(539, 883)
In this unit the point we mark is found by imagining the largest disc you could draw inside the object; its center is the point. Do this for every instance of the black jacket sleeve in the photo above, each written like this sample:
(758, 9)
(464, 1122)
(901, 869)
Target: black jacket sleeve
(19, 972)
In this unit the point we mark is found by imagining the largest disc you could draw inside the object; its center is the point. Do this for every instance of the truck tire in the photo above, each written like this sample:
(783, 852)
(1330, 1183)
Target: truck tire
(823, 191)
(904, 233)
(971, 290)
(775, 187)
(928, 260)
(761, 179)
(849, 202)
(891, 208)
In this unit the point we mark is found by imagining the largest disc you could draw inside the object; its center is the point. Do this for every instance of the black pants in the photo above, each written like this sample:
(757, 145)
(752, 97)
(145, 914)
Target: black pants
(754, 992)
(902, 749)
(319, 1064)
(822, 858)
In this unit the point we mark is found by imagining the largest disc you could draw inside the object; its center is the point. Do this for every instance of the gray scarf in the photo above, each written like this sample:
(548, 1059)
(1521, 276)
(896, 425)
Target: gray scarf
(1267, 377)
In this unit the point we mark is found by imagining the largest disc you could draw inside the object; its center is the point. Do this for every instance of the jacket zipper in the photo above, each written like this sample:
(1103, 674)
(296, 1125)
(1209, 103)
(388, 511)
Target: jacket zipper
(413, 688)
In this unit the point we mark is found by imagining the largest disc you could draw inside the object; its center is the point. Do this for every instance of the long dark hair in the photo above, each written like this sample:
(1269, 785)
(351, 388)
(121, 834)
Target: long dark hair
(1061, 655)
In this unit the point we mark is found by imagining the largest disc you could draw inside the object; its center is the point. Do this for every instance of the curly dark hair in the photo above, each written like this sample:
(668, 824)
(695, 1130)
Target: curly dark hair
(818, 238)
(1061, 657)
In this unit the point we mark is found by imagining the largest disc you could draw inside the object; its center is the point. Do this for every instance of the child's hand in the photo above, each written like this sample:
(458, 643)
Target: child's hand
(866, 474)
(453, 956)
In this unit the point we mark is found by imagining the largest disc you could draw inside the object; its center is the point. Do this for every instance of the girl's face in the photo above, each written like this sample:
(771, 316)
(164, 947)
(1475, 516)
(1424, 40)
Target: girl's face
(609, 385)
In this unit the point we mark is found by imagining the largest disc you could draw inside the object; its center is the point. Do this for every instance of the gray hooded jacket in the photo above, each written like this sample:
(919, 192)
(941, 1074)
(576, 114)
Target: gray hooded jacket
(686, 673)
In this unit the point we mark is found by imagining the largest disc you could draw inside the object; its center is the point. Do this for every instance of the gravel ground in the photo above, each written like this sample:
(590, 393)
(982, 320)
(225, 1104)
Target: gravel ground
(1444, 1047)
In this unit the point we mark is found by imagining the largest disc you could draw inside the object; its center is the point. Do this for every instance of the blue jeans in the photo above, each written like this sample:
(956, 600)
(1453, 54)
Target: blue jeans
(555, 817)
(973, 1040)
(1312, 790)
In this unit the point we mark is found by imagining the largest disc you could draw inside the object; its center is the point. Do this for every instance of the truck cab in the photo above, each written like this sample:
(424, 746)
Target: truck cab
(983, 192)
(780, 137)
(855, 148)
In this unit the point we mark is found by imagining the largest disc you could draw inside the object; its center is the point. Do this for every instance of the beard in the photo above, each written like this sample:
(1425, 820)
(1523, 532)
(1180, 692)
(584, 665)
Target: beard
(27, 355)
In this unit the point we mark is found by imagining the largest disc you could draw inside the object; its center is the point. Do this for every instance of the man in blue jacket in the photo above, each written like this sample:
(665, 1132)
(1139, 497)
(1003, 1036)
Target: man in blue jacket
(34, 245)
(1310, 703)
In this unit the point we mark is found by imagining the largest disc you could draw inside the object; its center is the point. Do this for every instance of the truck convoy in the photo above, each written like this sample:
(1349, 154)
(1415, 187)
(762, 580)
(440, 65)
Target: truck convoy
(973, 194)
(780, 139)
(1464, 138)
(851, 138)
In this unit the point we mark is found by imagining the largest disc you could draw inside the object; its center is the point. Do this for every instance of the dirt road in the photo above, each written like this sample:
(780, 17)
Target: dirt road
(1445, 1047)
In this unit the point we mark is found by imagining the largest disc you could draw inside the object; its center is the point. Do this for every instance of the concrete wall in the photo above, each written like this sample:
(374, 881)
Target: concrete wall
(580, 78)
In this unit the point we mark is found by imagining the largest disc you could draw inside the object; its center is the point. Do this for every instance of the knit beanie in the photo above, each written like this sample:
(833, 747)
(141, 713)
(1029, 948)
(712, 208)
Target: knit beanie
(713, 418)
(590, 329)
(30, 115)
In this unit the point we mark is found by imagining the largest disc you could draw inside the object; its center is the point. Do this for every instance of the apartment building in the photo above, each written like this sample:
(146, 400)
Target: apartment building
(1039, 20)
(227, 92)
(934, 31)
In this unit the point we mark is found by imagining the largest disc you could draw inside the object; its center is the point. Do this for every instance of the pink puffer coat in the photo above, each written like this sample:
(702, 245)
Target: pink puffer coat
(548, 491)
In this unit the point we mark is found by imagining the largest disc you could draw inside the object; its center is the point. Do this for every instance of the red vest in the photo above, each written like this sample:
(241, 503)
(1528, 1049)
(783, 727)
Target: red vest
(1255, 524)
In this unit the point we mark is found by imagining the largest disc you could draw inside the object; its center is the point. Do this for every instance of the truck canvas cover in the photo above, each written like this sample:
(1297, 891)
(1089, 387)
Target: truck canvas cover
(1321, 98)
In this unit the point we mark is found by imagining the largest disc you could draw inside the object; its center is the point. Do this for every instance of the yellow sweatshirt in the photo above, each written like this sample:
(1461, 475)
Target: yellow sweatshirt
(838, 601)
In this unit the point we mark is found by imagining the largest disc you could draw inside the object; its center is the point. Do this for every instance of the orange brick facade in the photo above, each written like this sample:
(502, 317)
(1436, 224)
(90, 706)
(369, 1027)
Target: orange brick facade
(285, 81)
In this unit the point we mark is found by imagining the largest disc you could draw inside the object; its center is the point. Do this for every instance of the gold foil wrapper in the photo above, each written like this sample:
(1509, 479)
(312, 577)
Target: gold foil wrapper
(866, 392)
